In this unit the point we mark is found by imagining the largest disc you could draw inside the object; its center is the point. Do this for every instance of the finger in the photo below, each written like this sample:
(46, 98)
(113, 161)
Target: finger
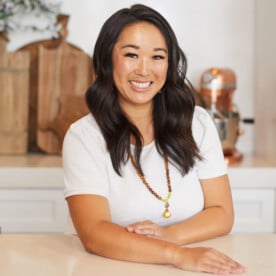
(229, 261)
(222, 268)
(147, 231)
(222, 264)
(140, 225)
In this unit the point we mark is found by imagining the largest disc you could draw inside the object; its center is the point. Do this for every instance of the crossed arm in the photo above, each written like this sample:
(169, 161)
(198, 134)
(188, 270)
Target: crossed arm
(136, 243)
(216, 218)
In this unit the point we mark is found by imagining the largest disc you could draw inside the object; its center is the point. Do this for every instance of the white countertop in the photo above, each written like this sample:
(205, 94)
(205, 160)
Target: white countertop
(253, 172)
(45, 171)
(54, 161)
(30, 161)
(31, 171)
(62, 255)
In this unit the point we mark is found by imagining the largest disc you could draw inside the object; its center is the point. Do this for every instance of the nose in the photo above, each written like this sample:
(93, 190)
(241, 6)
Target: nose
(143, 67)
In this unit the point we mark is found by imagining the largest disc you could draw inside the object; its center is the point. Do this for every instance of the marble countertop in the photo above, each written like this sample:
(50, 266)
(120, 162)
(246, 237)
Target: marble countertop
(52, 161)
(30, 161)
(58, 255)
(31, 171)
(45, 171)
(253, 172)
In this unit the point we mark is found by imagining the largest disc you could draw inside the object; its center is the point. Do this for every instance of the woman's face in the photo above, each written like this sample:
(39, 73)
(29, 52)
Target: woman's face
(140, 64)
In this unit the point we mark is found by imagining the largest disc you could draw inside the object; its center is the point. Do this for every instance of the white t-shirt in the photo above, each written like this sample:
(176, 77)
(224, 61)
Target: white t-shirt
(88, 170)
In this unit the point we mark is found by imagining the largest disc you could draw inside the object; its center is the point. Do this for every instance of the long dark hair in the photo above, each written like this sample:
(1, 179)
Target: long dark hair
(172, 109)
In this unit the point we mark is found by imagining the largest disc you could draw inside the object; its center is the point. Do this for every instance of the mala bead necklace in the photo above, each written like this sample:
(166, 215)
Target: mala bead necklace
(166, 213)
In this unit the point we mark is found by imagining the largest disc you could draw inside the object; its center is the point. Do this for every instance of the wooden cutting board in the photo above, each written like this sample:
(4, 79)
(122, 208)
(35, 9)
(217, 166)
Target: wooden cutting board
(63, 77)
(57, 69)
(14, 97)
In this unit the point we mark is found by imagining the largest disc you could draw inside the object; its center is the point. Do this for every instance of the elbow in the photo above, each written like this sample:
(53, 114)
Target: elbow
(89, 244)
(227, 222)
(90, 241)
(227, 229)
(94, 246)
(223, 221)
(98, 240)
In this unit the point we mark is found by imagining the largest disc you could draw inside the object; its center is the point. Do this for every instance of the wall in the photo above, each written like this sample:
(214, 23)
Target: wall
(211, 33)
(265, 72)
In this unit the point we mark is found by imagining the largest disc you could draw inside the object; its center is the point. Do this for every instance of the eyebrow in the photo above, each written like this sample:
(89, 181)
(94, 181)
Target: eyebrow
(137, 47)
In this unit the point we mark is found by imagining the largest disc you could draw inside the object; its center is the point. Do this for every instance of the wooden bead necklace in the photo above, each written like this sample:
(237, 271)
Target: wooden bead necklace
(166, 213)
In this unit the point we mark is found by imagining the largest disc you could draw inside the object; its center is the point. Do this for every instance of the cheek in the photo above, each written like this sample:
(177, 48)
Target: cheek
(121, 70)
(121, 67)
(162, 71)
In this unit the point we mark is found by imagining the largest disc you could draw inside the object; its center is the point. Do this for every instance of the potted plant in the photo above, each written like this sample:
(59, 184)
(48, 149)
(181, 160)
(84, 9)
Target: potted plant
(22, 15)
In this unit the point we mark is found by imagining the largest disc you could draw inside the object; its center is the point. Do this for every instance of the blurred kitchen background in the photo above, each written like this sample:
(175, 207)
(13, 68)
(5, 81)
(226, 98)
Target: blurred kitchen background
(239, 35)
(45, 71)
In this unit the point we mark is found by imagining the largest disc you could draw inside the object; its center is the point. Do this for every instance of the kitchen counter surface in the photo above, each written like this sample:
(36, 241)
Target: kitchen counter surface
(45, 171)
(62, 255)
(54, 161)
(37, 171)
(253, 172)
(30, 161)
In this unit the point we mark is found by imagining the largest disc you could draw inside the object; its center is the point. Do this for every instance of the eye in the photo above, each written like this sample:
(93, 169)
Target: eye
(158, 57)
(131, 55)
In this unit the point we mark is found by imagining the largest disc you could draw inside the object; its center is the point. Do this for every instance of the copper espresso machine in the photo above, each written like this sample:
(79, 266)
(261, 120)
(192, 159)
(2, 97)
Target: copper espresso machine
(217, 86)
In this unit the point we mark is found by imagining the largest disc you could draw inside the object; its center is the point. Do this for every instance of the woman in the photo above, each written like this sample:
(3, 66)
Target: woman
(144, 172)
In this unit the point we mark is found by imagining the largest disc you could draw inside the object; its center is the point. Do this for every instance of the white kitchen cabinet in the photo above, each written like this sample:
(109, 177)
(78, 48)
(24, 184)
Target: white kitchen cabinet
(253, 184)
(32, 200)
(31, 194)
(254, 210)
(32, 210)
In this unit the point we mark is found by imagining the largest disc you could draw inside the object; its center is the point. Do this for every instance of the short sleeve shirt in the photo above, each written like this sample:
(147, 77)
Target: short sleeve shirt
(88, 170)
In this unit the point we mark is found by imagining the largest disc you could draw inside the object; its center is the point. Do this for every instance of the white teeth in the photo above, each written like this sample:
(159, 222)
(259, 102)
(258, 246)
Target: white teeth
(140, 84)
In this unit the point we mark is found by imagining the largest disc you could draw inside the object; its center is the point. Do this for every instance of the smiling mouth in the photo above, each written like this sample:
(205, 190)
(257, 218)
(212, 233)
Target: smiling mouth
(141, 85)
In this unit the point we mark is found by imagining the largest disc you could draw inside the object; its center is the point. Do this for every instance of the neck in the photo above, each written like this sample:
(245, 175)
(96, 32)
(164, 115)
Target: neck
(142, 119)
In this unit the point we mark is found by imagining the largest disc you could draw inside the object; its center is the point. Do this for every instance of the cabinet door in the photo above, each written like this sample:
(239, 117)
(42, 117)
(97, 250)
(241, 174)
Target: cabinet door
(254, 210)
(32, 210)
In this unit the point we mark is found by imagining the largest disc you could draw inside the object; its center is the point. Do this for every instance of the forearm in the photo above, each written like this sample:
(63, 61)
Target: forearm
(209, 223)
(102, 237)
(116, 243)
(215, 219)
(113, 241)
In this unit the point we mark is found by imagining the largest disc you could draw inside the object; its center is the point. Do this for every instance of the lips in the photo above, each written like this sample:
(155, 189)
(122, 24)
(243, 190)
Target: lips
(141, 85)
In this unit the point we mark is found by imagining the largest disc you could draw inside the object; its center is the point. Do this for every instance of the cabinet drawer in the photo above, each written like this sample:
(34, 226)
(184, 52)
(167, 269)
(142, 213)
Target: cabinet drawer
(32, 210)
(254, 210)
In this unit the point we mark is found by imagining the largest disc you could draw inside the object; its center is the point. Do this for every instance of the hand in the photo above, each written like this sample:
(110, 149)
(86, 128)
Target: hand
(209, 260)
(149, 229)
(198, 259)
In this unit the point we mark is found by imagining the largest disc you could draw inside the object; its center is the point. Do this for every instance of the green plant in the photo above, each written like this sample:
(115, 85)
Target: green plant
(37, 15)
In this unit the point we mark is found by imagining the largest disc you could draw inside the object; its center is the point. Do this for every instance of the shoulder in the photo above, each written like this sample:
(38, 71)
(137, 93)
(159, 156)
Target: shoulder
(201, 118)
(201, 124)
(84, 129)
(85, 125)
(208, 142)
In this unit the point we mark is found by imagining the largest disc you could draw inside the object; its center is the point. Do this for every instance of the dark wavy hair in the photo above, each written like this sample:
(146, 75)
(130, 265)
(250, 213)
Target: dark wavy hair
(172, 109)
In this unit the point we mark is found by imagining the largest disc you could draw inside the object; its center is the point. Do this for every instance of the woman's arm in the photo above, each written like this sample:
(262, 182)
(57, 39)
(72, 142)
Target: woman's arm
(216, 218)
(91, 218)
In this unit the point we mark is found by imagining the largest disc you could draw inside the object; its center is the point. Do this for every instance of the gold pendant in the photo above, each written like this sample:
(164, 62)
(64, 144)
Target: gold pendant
(167, 213)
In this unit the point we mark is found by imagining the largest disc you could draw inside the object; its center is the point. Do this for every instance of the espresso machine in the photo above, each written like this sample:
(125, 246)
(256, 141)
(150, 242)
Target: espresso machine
(217, 87)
